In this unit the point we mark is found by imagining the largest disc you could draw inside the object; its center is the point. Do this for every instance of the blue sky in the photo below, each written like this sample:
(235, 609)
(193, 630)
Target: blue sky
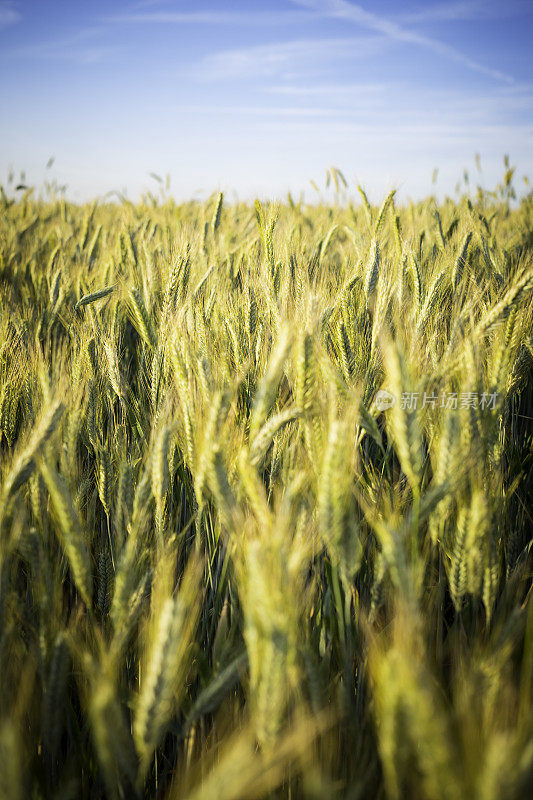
(261, 97)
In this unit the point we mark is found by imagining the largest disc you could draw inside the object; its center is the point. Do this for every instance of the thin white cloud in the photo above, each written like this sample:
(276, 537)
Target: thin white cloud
(74, 55)
(412, 137)
(391, 107)
(83, 47)
(249, 18)
(151, 3)
(284, 59)
(351, 12)
(272, 112)
(331, 90)
(9, 15)
(464, 10)
(412, 131)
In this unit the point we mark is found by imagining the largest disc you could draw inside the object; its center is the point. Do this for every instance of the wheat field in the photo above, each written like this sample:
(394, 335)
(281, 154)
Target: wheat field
(265, 498)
